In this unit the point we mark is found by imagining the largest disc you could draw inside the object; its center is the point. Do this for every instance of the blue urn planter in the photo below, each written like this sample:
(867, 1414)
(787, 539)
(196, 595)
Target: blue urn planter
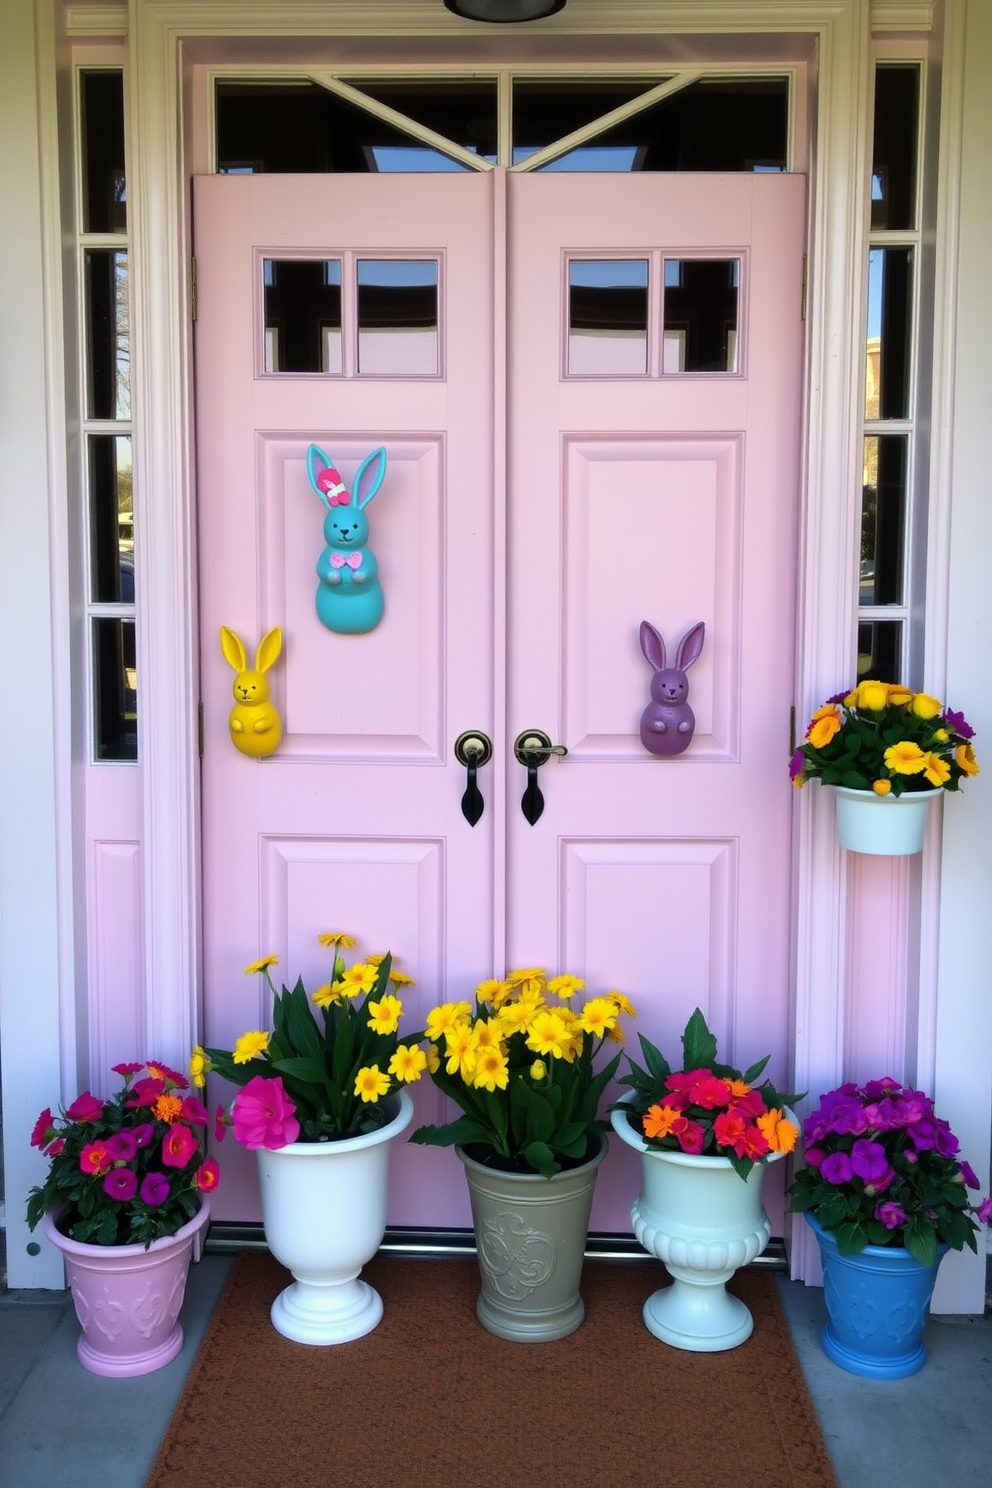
(878, 1302)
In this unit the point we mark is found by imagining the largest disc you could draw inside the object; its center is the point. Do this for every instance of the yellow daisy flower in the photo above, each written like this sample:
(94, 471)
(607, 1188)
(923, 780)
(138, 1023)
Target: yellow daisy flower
(623, 1003)
(905, 758)
(400, 979)
(199, 1067)
(357, 980)
(598, 1016)
(549, 1033)
(491, 1070)
(326, 995)
(386, 1014)
(249, 1046)
(371, 1083)
(443, 1018)
(565, 986)
(458, 1047)
(337, 938)
(262, 965)
(936, 770)
(408, 1063)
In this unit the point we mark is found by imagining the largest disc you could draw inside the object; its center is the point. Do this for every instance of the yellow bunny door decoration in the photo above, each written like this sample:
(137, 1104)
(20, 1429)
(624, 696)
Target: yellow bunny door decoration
(254, 722)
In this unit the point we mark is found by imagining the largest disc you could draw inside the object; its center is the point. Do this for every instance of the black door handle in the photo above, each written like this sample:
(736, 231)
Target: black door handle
(533, 748)
(473, 749)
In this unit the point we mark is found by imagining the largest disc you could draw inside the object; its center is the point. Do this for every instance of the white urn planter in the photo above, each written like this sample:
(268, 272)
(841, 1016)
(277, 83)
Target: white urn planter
(324, 1212)
(697, 1216)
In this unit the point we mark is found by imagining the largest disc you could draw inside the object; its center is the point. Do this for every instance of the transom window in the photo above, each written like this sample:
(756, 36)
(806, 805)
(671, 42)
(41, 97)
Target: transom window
(669, 122)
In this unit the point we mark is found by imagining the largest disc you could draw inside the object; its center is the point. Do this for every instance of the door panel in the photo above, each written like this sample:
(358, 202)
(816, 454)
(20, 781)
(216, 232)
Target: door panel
(354, 824)
(656, 496)
(671, 499)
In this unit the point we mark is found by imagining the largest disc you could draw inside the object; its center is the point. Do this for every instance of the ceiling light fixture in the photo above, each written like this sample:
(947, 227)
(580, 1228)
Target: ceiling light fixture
(504, 11)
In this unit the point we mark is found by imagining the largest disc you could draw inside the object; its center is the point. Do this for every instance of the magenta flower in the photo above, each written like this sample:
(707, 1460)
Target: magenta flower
(797, 764)
(179, 1146)
(43, 1129)
(691, 1137)
(207, 1175)
(122, 1146)
(959, 724)
(143, 1134)
(984, 1211)
(263, 1115)
(220, 1124)
(121, 1184)
(85, 1107)
(195, 1111)
(145, 1093)
(891, 1214)
(969, 1175)
(154, 1189)
(836, 1168)
(127, 1069)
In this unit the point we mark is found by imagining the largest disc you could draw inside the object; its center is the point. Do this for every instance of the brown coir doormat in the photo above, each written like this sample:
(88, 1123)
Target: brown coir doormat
(431, 1400)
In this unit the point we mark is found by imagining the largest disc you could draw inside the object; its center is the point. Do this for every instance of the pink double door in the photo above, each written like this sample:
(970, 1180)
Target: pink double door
(555, 475)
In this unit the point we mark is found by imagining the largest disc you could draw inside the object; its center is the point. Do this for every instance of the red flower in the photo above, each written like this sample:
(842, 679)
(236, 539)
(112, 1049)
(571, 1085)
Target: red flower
(709, 1092)
(691, 1137)
(95, 1159)
(207, 1175)
(729, 1128)
(43, 1130)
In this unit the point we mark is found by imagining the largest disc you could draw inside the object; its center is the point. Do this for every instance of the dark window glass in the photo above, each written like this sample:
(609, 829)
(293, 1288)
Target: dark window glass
(302, 315)
(301, 127)
(608, 317)
(894, 144)
(115, 688)
(889, 340)
(880, 650)
(735, 125)
(883, 519)
(397, 317)
(464, 111)
(102, 122)
(700, 316)
(111, 519)
(108, 345)
(546, 111)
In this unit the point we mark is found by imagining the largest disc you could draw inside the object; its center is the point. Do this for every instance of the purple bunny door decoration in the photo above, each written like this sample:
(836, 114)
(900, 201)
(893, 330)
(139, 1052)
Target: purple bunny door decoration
(668, 723)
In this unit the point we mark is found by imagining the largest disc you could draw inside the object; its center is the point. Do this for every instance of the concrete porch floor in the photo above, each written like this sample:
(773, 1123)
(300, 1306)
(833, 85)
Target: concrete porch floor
(60, 1425)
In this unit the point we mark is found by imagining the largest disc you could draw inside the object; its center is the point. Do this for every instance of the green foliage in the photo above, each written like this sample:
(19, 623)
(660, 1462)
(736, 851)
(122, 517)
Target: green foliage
(318, 1052)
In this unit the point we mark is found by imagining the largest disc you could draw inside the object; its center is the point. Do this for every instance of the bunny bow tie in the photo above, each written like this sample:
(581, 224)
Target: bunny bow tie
(349, 560)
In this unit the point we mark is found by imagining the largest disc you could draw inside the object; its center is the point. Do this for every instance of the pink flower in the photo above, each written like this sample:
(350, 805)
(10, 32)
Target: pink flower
(984, 1211)
(195, 1111)
(179, 1146)
(85, 1107)
(145, 1093)
(94, 1159)
(127, 1069)
(43, 1129)
(220, 1124)
(207, 1175)
(154, 1189)
(691, 1137)
(891, 1214)
(121, 1184)
(263, 1115)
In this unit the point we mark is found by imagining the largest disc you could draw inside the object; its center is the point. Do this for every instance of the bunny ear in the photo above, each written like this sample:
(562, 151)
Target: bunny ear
(653, 646)
(233, 648)
(691, 646)
(376, 461)
(268, 649)
(323, 477)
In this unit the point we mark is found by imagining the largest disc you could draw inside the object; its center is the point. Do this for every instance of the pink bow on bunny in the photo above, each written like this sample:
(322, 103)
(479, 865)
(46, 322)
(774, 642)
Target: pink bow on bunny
(341, 560)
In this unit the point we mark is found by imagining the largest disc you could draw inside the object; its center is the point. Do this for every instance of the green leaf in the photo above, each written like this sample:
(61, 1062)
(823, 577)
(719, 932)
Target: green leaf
(698, 1044)
(541, 1159)
(310, 1070)
(921, 1240)
(455, 1133)
(658, 1067)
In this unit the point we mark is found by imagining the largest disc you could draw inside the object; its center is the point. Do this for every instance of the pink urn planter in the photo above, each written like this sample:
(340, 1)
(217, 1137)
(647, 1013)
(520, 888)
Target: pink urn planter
(127, 1298)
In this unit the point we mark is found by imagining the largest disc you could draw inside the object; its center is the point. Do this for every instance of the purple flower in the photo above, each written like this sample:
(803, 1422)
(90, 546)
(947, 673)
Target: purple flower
(869, 1161)
(836, 1168)
(947, 1143)
(143, 1133)
(877, 1089)
(154, 1189)
(891, 1214)
(984, 1211)
(969, 1175)
(122, 1146)
(959, 724)
(121, 1184)
(797, 764)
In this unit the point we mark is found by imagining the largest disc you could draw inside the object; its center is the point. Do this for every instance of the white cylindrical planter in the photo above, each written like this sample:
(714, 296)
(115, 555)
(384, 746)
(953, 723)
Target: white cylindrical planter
(324, 1212)
(884, 826)
(703, 1221)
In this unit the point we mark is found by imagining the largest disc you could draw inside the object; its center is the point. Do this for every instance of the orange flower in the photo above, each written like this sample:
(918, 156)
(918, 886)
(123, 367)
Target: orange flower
(779, 1132)
(824, 724)
(658, 1120)
(167, 1108)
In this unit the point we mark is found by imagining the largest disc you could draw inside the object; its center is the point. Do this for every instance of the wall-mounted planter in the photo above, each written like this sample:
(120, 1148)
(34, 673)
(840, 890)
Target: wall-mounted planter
(885, 826)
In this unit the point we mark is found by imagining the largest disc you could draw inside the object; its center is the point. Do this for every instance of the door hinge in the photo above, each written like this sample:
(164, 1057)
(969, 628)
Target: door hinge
(802, 315)
(193, 306)
(199, 727)
(792, 730)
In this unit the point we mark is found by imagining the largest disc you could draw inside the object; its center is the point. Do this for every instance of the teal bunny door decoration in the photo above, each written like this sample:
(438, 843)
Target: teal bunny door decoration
(349, 595)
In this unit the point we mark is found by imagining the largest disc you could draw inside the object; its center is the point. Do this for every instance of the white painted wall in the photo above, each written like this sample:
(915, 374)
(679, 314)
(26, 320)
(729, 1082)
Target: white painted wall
(33, 608)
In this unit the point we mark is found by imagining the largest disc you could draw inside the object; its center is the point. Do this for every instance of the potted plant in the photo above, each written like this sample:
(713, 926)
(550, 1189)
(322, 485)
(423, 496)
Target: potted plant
(885, 1192)
(886, 752)
(521, 1064)
(706, 1133)
(125, 1201)
(321, 1097)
